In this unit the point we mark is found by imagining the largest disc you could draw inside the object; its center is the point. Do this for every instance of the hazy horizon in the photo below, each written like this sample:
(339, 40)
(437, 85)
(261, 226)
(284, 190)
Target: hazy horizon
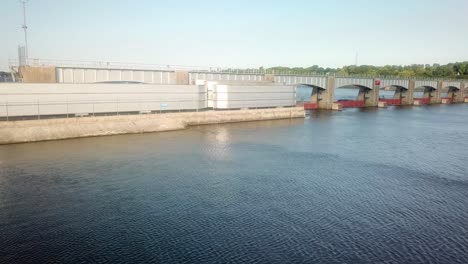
(239, 34)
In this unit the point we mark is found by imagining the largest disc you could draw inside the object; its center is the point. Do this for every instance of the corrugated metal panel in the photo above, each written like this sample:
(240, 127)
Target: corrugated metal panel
(432, 84)
(193, 77)
(224, 77)
(138, 76)
(394, 82)
(452, 84)
(319, 81)
(237, 96)
(171, 78)
(165, 78)
(90, 76)
(126, 76)
(59, 75)
(278, 79)
(68, 75)
(58, 99)
(341, 82)
(115, 75)
(86, 75)
(79, 76)
(148, 77)
(102, 75)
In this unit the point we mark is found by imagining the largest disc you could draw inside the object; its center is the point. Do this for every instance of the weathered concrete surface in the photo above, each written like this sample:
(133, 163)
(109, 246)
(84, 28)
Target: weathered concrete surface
(337, 106)
(435, 95)
(455, 94)
(53, 129)
(182, 78)
(37, 74)
(370, 96)
(446, 101)
(382, 104)
(269, 77)
(406, 95)
(325, 97)
(462, 94)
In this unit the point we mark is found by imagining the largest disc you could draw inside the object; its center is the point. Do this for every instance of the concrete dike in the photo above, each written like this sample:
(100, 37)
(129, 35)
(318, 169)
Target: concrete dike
(77, 127)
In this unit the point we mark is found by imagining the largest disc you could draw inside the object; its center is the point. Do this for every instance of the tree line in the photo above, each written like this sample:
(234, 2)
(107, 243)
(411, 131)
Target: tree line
(451, 70)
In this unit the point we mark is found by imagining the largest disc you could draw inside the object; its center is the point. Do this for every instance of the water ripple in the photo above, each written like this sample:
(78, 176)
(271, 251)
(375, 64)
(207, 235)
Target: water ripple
(244, 193)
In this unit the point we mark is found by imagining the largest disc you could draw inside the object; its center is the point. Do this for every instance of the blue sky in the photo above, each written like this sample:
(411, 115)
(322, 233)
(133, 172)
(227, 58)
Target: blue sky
(241, 33)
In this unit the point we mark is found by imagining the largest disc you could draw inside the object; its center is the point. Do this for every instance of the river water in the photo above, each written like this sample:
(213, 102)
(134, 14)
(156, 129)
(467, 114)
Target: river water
(358, 186)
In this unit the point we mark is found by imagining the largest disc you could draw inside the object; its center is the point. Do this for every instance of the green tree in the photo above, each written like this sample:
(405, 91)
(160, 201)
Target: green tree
(407, 73)
(451, 70)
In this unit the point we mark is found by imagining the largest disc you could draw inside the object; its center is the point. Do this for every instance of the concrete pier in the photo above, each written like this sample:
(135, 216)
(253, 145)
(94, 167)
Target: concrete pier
(53, 129)
(370, 96)
(328, 95)
(382, 104)
(455, 94)
(461, 98)
(406, 95)
(435, 95)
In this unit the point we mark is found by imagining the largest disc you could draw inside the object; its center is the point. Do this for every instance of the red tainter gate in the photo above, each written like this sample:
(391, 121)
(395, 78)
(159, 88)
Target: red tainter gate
(354, 104)
(344, 103)
(350, 103)
(391, 101)
(310, 106)
(423, 100)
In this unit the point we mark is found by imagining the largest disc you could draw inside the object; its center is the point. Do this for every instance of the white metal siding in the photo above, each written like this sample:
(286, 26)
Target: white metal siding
(86, 75)
(319, 81)
(341, 82)
(426, 84)
(237, 96)
(54, 99)
(394, 82)
(452, 84)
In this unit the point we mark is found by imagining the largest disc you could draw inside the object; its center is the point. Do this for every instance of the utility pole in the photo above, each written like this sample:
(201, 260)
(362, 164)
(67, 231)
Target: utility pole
(25, 28)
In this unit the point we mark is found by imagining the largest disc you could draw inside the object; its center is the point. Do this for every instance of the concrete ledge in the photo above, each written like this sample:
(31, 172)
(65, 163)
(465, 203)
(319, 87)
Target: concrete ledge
(466, 100)
(337, 107)
(446, 101)
(382, 104)
(53, 129)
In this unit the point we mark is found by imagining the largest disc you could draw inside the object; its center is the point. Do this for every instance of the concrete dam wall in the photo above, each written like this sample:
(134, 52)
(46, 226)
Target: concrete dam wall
(64, 128)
